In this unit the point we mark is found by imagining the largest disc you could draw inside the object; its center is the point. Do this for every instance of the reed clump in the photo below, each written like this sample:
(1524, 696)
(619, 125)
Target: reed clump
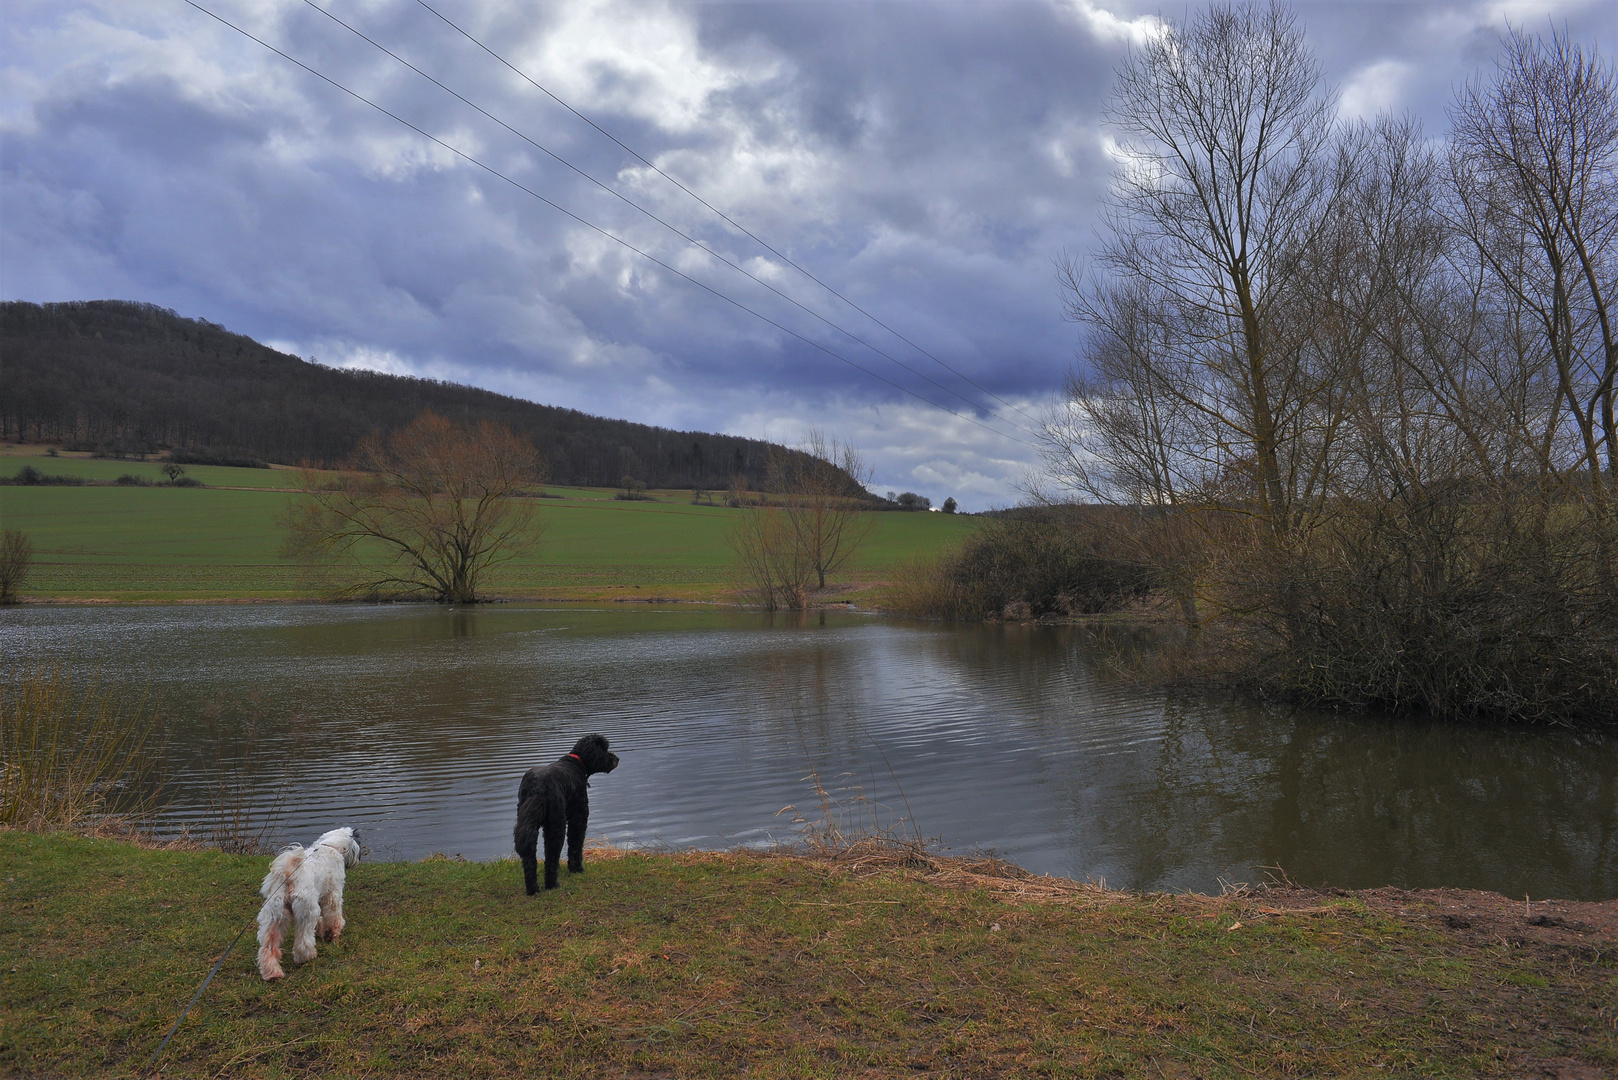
(73, 759)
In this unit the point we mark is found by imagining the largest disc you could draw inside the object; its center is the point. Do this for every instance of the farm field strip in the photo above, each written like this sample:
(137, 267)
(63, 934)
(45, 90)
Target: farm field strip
(224, 541)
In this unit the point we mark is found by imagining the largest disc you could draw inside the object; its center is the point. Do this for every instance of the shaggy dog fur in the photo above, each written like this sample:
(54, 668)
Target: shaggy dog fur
(554, 799)
(304, 885)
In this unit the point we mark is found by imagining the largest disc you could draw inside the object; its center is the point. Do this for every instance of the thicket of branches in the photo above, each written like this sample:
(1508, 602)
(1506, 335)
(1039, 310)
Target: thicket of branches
(786, 548)
(1361, 382)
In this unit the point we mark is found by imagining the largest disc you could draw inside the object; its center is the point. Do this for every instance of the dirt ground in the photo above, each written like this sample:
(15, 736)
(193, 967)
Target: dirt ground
(1483, 918)
(1560, 931)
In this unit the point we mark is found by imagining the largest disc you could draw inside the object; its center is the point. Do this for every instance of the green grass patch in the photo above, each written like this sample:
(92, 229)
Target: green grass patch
(224, 541)
(720, 964)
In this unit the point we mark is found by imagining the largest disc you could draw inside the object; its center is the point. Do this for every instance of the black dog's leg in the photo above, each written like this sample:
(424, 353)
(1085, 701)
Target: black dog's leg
(575, 841)
(555, 829)
(526, 836)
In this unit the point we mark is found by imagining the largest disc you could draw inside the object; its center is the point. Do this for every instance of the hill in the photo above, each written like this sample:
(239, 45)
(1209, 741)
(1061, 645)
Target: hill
(125, 377)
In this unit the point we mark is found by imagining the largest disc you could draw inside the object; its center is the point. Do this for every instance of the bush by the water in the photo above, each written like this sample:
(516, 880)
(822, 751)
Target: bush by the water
(1025, 566)
(1450, 603)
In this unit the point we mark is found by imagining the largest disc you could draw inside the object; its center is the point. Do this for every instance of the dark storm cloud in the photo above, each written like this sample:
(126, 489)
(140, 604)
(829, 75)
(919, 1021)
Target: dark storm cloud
(928, 160)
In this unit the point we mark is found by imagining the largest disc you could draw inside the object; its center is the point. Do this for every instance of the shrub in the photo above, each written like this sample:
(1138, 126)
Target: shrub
(1026, 566)
(131, 480)
(1448, 603)
(28, 476)
(16, 555)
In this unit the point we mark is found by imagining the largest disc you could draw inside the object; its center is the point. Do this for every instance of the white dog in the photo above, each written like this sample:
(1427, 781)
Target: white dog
(304, 885)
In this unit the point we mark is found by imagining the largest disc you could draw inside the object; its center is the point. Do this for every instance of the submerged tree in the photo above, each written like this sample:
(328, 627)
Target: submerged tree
(426, 510)
(816, 526)
(823, 502)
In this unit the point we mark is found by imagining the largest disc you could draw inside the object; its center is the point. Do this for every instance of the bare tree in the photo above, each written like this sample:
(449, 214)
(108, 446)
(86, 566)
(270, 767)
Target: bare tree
(817, 524)
(426, 510)
(772, 566)
(1225, 134)
(1356, 392)
(1535, 171)
(823, 489)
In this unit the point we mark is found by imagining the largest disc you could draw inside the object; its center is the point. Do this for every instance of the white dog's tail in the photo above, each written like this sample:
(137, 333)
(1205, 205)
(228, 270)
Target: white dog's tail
(276, 914)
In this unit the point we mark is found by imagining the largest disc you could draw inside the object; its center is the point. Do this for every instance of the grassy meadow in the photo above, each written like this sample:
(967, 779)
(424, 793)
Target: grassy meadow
(768, 965)
(223, 541)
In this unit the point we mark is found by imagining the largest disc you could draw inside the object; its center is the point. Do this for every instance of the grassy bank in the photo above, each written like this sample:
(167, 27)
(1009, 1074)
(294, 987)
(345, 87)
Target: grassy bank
(223, 541)
(719, 964)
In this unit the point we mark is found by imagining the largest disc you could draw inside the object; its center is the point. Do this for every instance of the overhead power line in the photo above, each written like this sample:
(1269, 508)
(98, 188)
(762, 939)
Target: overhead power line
(724, 216)
(596, 228)
(653, 216)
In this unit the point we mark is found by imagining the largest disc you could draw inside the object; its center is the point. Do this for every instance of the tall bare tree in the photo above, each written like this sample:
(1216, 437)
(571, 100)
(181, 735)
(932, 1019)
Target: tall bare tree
(428, 509)
(1225, 133)
(1535, 173)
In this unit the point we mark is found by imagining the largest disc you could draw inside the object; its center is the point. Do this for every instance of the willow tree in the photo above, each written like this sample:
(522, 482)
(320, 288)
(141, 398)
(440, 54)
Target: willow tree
(424, 511)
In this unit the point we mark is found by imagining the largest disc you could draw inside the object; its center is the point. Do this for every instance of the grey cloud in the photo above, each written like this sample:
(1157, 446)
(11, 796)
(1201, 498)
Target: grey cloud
(926, 160)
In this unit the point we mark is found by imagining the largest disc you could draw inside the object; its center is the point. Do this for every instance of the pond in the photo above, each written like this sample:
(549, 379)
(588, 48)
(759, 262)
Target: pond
(414, 723)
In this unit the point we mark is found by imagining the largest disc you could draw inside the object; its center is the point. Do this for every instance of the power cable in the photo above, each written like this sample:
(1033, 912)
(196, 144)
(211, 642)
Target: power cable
(598, 229)
(671, 228)
(724, 216)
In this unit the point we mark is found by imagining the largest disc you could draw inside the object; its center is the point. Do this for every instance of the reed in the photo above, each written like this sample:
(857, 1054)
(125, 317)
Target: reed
(71, 759)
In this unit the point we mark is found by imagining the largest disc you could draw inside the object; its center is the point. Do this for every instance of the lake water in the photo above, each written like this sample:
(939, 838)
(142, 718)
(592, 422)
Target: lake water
(414, 723)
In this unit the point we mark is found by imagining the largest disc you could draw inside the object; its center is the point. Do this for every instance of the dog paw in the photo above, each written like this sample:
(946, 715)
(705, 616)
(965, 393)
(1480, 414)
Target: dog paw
(272, 973)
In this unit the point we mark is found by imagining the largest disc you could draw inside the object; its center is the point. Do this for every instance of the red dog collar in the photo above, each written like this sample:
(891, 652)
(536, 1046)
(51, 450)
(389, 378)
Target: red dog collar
(577, 758)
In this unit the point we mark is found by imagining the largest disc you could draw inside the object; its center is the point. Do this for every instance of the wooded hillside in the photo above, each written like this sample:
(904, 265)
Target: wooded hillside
(120, 376)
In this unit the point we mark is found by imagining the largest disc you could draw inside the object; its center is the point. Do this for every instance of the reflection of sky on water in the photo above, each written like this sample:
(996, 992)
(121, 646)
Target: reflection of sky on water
(415, 723)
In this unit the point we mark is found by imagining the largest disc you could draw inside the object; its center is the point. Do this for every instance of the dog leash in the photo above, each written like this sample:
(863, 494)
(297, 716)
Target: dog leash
(216, 965)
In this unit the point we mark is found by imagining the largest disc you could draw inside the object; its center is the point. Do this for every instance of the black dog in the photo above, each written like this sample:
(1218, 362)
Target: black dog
(555, 799)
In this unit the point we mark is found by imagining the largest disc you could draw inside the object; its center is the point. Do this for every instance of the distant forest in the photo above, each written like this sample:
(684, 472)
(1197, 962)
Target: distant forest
(131, 378)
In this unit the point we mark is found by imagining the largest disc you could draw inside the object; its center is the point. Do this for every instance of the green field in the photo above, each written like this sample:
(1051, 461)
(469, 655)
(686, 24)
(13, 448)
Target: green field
(223, 541)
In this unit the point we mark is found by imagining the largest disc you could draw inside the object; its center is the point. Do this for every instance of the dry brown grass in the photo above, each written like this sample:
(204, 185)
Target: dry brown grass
(75, 760)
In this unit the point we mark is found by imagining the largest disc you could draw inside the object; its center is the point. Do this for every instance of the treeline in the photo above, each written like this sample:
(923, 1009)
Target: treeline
(132, 378)
(1348, 390)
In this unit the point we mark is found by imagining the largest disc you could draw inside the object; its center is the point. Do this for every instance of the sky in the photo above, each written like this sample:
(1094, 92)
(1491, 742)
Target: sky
(927, 161)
